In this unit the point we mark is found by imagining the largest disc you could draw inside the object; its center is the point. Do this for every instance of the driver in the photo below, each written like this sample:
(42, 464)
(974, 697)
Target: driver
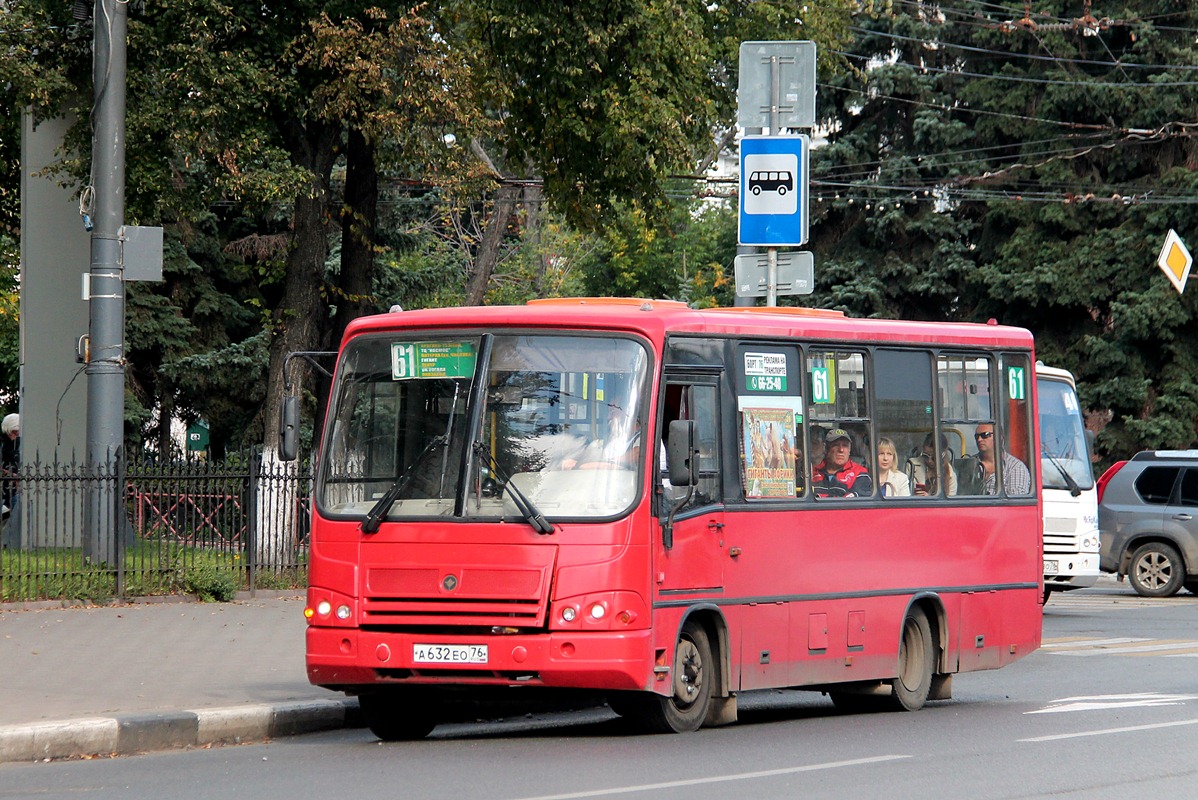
(838, 475)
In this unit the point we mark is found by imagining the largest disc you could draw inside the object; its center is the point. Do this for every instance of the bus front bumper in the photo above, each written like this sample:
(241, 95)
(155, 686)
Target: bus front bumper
(609, 660)
(1070, 570)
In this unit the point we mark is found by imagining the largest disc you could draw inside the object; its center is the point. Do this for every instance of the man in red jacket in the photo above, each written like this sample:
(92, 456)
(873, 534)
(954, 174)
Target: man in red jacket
(838, 475)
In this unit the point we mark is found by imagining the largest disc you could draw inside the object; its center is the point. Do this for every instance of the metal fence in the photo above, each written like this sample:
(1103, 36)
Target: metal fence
(142, 528)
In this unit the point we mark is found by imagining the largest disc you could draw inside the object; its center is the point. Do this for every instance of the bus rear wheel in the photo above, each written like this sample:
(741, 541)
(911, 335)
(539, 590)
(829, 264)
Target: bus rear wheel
(685, 709)
(397, 716)
(916, 663)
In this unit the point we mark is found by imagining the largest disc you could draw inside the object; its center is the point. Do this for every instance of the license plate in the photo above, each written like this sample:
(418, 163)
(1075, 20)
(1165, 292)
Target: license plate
(449, 653)
(1051, 567)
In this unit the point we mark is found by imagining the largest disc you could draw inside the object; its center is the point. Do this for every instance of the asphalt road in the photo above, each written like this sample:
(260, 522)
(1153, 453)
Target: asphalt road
(1108, 708)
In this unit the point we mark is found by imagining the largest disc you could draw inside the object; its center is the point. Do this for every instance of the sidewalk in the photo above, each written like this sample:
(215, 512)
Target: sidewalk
(156, 675)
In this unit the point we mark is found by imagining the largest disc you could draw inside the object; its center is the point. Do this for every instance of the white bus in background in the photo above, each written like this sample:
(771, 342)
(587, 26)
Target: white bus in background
(1069, 495)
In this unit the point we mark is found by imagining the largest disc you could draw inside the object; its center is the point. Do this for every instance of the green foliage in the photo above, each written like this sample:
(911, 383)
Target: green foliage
(211, 584)
(979, 170)
(239, 120)
(151, 568)
(689, 257)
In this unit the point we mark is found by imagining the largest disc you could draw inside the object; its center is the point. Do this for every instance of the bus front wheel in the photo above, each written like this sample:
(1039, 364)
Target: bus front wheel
(397, 716)
(686, 707)
(916, 663)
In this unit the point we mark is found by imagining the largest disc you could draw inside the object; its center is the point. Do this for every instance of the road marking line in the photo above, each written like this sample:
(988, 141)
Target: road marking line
(1055, 643)
(740, 776)
(1104, 732)
(1115, 651)
(1112, 701)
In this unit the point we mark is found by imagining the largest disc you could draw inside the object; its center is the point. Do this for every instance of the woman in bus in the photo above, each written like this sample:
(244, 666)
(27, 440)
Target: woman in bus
(891, 482)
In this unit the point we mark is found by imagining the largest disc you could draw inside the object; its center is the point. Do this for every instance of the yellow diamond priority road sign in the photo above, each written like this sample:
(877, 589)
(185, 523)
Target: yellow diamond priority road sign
(1175, 261)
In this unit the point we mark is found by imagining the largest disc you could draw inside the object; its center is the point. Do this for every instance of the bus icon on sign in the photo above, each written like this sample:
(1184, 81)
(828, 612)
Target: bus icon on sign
(769, 181)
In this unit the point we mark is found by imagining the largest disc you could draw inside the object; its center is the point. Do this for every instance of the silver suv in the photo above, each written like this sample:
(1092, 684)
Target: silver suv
(1148, 521)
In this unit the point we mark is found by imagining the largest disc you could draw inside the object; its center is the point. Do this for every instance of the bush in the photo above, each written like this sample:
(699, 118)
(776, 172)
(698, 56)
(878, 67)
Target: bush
(211, 585)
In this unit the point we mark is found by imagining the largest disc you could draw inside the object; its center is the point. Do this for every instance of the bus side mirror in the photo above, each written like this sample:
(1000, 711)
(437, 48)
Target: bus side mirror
(681, 458)
(289, 428)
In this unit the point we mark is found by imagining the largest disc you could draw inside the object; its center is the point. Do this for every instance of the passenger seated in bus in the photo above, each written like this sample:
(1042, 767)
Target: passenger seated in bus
(925, 479)
(837, 475)
(891, 482)
(1015, 475)
(815, 445)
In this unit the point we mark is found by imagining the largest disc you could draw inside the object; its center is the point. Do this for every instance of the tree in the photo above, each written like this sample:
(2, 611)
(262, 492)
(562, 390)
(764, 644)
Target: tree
(986, 164)
(603, 103)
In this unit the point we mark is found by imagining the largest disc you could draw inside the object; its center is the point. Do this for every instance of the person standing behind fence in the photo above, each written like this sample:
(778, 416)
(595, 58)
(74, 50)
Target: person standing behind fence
(10, 466)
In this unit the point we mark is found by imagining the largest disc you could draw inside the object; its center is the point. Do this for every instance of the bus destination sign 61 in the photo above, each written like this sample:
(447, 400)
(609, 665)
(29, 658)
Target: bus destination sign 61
(432, 360)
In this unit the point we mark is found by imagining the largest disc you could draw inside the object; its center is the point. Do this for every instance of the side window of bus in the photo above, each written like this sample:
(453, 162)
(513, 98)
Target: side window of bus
(966, 414)
(840, 452)
(769, 410)
(1014, 448)
(903, 392)
(700, 403)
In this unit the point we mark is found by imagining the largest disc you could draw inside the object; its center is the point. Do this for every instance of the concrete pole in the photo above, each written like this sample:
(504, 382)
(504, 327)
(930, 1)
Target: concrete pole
(106, 367)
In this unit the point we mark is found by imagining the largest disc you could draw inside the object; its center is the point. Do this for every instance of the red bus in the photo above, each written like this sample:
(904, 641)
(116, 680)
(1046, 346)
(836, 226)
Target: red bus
(670, 506)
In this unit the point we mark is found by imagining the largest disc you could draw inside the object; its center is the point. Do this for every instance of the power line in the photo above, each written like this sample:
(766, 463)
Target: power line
(1022, 79)
(1029, 56)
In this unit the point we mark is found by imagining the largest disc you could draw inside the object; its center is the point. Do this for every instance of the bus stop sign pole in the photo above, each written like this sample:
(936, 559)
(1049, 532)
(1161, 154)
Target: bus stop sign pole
(778, 219)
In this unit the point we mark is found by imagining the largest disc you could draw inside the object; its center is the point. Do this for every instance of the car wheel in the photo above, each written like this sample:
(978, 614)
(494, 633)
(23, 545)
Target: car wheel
(1156, 570)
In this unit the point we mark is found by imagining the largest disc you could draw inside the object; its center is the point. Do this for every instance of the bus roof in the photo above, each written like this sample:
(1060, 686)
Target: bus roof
(656, 318)
(1055, 373)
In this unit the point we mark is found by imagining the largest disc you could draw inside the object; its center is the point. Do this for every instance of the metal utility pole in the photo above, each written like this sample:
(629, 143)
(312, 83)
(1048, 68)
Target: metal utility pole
(106, 289)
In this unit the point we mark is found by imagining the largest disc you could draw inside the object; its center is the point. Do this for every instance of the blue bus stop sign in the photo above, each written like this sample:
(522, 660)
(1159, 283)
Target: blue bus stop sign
(773, 190)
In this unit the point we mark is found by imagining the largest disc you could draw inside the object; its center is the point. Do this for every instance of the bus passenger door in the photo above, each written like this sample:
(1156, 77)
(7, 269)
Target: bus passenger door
(694, 563)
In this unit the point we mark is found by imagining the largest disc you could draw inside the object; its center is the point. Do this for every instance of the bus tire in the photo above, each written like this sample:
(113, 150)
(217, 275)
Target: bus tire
(397, 716)
(685, 709)
(916, 663)
(1156, 570)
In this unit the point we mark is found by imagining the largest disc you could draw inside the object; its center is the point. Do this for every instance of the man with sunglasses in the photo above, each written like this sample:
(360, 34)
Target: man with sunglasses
(1015, 476)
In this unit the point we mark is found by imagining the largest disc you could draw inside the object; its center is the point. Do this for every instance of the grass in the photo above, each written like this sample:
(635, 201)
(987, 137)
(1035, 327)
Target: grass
(150, 568)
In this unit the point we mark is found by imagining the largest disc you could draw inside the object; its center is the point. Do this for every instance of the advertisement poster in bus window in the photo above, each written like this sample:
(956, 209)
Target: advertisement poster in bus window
(769, 447)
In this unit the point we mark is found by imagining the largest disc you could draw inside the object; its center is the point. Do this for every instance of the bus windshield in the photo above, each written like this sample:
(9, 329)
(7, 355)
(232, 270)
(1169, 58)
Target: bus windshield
(1062, 437)
(559, 418)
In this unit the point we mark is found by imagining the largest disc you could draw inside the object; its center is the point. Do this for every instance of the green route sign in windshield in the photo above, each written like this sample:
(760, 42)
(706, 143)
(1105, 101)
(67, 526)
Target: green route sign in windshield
(432, 360)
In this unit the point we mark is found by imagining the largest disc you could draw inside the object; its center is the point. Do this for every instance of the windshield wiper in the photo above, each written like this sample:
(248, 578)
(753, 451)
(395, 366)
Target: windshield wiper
(529, 511)
(374, 517)
(1074, 489)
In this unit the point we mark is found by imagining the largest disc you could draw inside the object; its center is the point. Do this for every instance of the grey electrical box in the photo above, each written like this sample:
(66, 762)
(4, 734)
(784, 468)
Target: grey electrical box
(141, 253)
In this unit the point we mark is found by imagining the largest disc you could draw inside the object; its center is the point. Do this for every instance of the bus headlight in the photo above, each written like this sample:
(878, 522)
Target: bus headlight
(323, 608)
(600, 611)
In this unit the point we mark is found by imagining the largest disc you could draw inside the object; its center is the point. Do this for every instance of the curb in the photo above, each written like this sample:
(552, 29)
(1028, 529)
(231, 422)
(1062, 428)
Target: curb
(127, 734)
